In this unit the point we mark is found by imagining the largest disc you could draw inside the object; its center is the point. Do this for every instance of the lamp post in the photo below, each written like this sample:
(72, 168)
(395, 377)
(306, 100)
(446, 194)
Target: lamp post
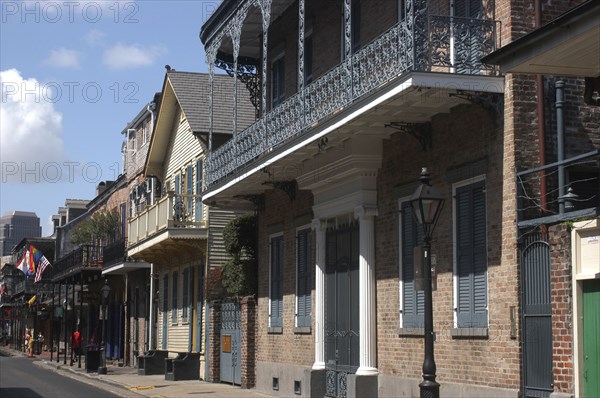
(427, 204)
(65, 303)
(105, 292)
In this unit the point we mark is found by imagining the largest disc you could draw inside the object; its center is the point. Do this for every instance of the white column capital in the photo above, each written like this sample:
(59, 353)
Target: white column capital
(318, 224)
(365, 211)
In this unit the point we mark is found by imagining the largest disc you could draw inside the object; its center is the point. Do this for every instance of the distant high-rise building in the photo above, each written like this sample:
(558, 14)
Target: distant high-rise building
(16, 225)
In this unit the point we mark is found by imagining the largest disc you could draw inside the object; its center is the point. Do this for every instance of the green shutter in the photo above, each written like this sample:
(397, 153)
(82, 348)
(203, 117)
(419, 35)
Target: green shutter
(413, 301)
(471, 246)
(198, 214)
(276, 281)
(303, 289)
(174, 300)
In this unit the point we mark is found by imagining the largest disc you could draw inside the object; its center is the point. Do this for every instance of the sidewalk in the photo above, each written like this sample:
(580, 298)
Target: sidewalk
(125, 382)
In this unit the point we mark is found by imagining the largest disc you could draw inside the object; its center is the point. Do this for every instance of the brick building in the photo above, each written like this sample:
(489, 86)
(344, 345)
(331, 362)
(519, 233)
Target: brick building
(353, 98)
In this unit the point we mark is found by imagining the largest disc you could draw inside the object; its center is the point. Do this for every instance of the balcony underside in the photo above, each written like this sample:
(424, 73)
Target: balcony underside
(410, 98)
(124, 267)
(172, 244)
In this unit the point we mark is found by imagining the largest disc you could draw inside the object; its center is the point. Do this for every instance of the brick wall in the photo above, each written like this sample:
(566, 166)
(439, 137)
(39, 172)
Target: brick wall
(559, 237)
(286, 347)
(248, 332)
(214, 341)
(466, 134)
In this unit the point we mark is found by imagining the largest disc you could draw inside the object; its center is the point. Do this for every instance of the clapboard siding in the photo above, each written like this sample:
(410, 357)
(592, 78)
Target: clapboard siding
(217, 255)
(183, 146)
(178, 333)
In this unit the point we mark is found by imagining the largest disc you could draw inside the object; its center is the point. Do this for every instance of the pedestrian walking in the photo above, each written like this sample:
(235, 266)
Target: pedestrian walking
(76, 344)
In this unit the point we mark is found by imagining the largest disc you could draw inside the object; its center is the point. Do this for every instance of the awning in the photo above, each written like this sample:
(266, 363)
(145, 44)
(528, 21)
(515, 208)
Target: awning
(567, 46)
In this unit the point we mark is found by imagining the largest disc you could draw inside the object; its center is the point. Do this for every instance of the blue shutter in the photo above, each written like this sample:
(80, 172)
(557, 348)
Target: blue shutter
(184, 299)
(413, 302)
(303, 290)
(198, 210)
(189, 189)
(276, 281)
(471, 248)
(174, 300)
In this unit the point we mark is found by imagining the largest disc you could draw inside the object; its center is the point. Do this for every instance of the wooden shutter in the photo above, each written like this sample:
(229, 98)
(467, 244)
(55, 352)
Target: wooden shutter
(174, 300)
(198, 213)
(413, 301)
(185, 294)
(276, 281)
(471, 248)
(189, 189)
(303, 289)
(468, 8)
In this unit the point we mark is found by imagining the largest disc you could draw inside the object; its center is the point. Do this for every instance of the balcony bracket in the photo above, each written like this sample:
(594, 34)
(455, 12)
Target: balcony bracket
(492, 103)
(247, 73)
(289, 187)
(257, 200)
(420, 131)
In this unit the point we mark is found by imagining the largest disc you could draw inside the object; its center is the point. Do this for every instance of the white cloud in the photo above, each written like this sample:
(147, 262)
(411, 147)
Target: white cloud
(30, 129)
(94, 37)
(122, 56)
(63, 58)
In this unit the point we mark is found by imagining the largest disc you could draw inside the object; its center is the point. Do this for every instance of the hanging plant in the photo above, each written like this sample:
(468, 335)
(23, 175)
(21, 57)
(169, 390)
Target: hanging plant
(240, 272)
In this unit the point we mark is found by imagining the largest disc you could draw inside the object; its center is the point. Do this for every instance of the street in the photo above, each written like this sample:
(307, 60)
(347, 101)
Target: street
(21, 378)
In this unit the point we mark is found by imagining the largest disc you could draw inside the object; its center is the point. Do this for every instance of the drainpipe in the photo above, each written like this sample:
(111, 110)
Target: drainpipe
(541, 117)
(150, 108)
(560, 143)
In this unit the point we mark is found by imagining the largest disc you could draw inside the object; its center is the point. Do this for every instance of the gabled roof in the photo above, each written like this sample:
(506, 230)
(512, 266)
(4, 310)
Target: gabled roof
(190, 92)
(567, 46)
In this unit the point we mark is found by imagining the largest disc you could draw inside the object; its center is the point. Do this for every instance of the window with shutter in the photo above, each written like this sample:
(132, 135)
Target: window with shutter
(411, 235)
(471, 256)
(189, 188)
(198, 213)
(303, 283)
(277, 81)
(174, 299)
(276, 282)
(185, 295)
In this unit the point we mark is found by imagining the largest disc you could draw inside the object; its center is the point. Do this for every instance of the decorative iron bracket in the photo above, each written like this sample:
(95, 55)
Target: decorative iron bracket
(248, 74)
(289, 187)
(420, 131)
(492, 103)
(257, 200)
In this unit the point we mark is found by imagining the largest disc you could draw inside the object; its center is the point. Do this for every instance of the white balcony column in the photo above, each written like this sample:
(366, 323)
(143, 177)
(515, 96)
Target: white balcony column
(367, 291)
(319, 227)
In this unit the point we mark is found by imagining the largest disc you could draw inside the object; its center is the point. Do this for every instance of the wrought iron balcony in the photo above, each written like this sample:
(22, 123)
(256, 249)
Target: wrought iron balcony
(86, 257)
(448, 45)
(171, 212)
(114, 253)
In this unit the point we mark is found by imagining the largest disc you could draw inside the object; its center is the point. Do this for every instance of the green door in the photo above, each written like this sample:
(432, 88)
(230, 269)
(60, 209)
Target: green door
(591, 338)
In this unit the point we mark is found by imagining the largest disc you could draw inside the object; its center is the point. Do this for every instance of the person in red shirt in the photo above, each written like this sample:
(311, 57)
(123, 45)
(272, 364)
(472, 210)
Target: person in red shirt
(76, 344)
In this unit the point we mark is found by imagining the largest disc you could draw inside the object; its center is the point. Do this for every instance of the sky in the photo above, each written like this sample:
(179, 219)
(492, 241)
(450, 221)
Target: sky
(72, 75)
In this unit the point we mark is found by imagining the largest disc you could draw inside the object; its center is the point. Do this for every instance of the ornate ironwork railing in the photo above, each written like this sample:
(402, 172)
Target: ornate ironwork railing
(114, 253)
(86, 256)
(449, 44)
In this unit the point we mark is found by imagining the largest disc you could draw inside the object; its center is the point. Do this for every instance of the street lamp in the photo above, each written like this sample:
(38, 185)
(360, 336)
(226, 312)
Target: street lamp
(427, 204)
(105, 292)
(65, 303)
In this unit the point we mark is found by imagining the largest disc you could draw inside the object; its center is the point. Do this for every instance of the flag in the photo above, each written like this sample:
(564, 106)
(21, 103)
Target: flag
(41, 267)
(22, 264)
